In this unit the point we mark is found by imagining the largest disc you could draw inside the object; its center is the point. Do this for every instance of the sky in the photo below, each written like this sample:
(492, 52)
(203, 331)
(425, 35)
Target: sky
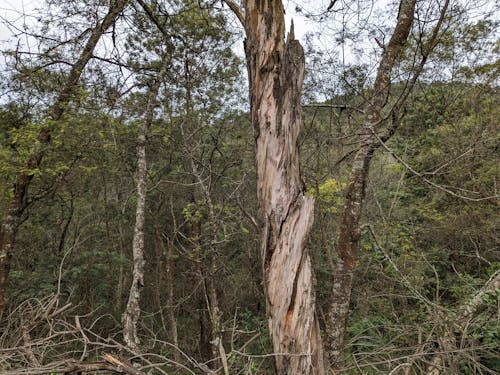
(12, 11)
(373, 18)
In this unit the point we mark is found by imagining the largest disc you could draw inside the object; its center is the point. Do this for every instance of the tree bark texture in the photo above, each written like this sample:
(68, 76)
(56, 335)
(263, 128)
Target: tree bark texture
(350, 231)
(276, 72)
(133, 310)
(15, 208)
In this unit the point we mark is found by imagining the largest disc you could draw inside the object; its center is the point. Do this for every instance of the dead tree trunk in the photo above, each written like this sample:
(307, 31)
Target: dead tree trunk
(15, 208)
(132, 311)
(276, 72)
(349, 231)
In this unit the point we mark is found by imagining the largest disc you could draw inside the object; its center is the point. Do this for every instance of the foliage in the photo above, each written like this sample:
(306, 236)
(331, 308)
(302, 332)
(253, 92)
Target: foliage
(429, 240)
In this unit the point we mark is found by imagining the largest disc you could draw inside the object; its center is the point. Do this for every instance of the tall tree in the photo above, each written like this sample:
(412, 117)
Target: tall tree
(276, 72)
(132, 311)
(371, 138)
(12, 216)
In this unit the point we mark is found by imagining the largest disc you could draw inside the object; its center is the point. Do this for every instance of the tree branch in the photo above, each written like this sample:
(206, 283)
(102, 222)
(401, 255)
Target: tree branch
(236, 10)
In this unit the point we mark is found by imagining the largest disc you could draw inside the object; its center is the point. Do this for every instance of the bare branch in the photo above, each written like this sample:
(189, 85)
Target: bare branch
(418, 174)
(236, 10)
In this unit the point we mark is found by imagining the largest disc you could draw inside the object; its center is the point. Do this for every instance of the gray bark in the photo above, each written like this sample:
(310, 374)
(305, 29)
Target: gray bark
(349, 231)
(133, 310)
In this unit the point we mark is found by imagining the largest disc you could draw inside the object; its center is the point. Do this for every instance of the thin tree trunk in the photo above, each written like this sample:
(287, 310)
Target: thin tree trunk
(201, 315)
(168, 253)
(209, 273)
(121, 272)
(133, 311)
(15, 208)
(170, 298)
(349, 234)
(276, 72)
(160, 253)
(218, 350)
(349, 231)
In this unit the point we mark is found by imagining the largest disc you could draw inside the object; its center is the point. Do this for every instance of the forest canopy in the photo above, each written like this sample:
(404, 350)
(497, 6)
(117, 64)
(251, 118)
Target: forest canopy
(204, 187)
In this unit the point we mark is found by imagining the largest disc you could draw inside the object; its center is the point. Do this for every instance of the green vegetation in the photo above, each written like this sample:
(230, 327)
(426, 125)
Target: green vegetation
(429, 233)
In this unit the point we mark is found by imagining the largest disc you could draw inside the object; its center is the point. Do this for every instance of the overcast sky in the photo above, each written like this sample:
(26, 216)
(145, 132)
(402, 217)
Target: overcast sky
(12, 10)
(369, 21)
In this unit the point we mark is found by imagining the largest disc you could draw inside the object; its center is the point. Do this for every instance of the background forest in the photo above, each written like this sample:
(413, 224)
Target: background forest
(136, 247)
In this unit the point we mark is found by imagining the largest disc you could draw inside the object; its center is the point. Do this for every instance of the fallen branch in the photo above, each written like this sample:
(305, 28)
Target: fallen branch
(71, 366)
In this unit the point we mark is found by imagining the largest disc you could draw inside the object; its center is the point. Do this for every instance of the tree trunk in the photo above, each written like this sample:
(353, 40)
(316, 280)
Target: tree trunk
(218, 350)
(209, 272)
(200, 315)
(276, 72)
(349, 231)
(15, 208)
(170, 265)
(132, 311)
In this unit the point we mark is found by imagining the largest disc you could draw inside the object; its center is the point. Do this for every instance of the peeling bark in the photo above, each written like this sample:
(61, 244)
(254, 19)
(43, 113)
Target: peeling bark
(350, 231)
(12, 216)
(133, 310)
(276, 72)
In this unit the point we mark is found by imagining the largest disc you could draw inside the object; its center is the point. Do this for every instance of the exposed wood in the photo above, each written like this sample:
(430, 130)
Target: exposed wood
(276, 72)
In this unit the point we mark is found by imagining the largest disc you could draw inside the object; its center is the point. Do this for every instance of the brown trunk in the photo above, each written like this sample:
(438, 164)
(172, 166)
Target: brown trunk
(349, 235)
(167, 267)
(121, 272)
(276, 72)
(200, 316)
(349, 231)
(133, 311)
(12, 216)
(170, 298)
(218, 350)
(209, 273)
(160, 253)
